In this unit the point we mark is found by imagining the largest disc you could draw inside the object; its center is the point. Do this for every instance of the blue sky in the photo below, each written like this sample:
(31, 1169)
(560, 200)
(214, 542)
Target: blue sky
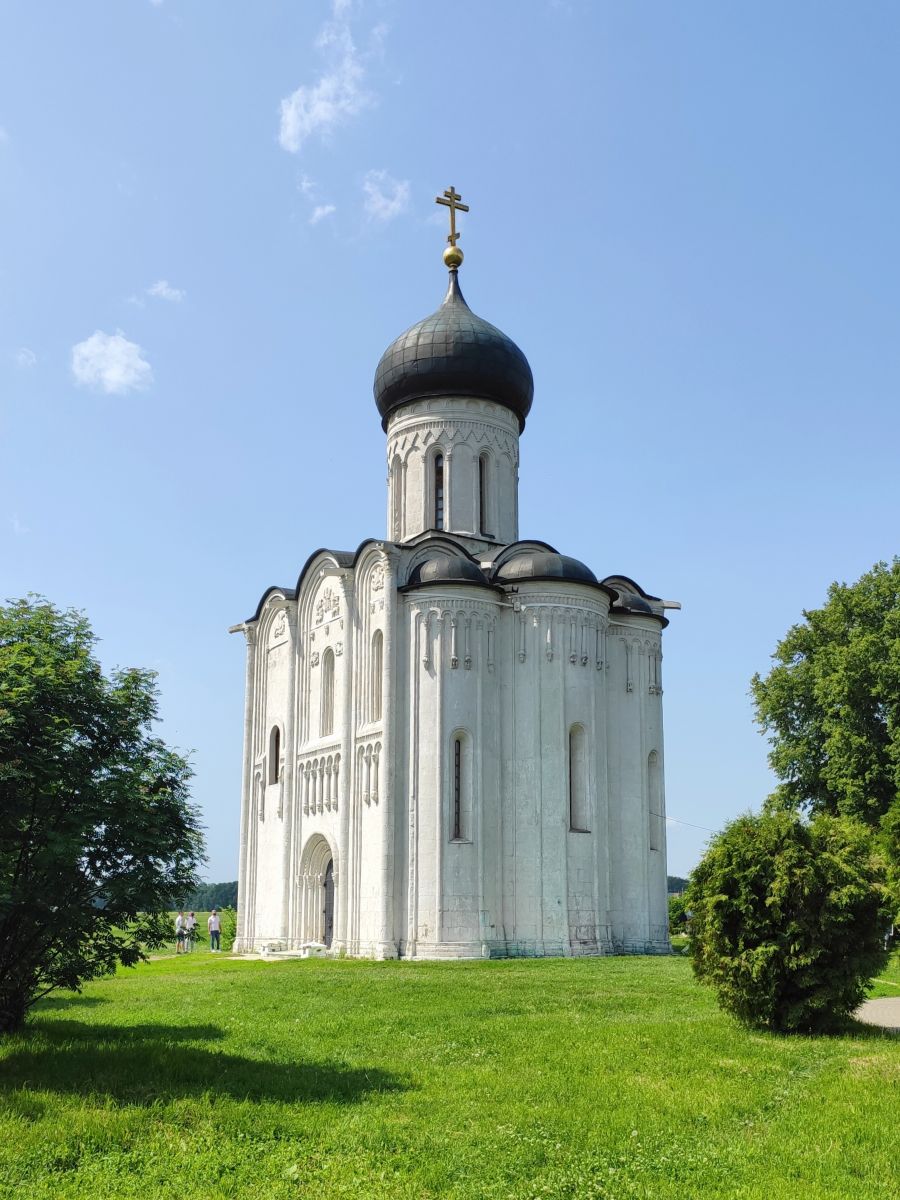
(215, 216)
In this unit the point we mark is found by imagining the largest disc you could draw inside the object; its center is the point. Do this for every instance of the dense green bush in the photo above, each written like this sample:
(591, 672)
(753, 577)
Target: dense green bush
(788, 918)
(229, 928)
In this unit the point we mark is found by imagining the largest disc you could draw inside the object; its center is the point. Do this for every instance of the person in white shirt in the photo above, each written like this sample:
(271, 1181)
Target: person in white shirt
(190, 931)
(179, 933)
(214, 925)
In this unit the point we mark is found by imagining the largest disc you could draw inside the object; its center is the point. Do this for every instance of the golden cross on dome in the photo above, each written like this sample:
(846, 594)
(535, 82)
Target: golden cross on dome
(451, 198)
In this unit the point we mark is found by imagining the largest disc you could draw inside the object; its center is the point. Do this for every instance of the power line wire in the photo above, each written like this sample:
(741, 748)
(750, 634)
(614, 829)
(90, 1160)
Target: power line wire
(690, 824)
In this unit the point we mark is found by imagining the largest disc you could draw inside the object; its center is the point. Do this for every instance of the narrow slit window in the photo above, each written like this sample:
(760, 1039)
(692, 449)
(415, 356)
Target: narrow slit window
(457, 789)
(483, 515)
(396, 498)
(656, 818)
(377, 675)
(439, 491)
(327, 715)
(274, 754)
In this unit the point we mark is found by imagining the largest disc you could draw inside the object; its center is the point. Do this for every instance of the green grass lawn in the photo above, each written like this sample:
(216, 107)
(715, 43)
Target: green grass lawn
(888, 982)
(205, 1077)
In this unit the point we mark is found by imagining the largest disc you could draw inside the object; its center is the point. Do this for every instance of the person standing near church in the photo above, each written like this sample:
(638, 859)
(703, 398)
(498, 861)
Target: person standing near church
(214, 925)
(190, 927)
(179, 932)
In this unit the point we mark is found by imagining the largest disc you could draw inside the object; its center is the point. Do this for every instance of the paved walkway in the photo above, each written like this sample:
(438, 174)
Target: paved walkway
(884, 1011)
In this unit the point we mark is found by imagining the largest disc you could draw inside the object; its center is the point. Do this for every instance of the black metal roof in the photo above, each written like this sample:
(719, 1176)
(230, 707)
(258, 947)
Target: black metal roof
(545, 565)
(454, 353)
(453, 569)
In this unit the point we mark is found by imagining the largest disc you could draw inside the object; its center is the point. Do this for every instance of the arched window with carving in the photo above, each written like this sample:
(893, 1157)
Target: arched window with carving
(274, 755)
(377, 676)
(484, 518)
(579, 814)
(439, 491)
(326, 712)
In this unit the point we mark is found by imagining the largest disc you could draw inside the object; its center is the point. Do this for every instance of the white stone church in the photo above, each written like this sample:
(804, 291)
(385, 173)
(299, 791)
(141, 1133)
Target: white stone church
(453, 740)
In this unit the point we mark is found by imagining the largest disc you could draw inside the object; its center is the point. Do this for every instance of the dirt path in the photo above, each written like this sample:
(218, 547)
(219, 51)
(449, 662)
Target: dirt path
(884, 1011)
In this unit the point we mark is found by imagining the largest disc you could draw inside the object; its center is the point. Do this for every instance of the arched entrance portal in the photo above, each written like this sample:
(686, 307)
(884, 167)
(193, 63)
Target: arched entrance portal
(317, 891)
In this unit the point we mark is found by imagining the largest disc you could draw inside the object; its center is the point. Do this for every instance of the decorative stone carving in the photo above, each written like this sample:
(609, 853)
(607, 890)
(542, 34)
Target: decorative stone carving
(279, 627)
(338, 649)
(328, 605)
(314, 659)
(378, 577)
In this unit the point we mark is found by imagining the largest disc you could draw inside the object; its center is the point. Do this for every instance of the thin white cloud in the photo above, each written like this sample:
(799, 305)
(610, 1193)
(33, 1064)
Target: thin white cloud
(338, 94)
(25, 358)
(4, 136)
(385, 197)
(163, 290)
(320, 212)
(17, 527)
(109, 363)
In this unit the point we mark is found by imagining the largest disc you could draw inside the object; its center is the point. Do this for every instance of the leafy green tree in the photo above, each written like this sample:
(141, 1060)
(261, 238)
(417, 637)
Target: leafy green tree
(788, 918)
(831, 703)
(678, 911)
(96, 828)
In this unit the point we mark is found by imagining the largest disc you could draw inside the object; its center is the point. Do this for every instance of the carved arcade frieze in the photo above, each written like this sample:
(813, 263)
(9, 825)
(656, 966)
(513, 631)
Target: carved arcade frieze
(467, 625)
(455, 433)
(368, 765)
(318, 781)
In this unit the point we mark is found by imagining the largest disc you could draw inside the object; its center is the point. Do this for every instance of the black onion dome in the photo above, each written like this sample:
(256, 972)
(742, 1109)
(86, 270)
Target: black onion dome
(542, 564)
(455, 569)
(454, 353)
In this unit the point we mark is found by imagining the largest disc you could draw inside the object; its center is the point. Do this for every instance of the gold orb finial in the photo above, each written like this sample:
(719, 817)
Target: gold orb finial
(451, 199)
(453, 257)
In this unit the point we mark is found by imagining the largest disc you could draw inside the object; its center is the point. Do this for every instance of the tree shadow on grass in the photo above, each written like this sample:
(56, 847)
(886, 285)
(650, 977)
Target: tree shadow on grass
(67, 1000)
(148, 1064)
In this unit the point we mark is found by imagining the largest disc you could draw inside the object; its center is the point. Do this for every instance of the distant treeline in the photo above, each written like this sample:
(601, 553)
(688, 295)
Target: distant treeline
(211, 895)
(224, 895)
